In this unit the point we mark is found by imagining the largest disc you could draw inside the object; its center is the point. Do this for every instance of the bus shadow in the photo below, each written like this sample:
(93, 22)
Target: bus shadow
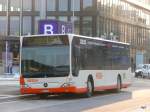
(124, 95)
(78, 103)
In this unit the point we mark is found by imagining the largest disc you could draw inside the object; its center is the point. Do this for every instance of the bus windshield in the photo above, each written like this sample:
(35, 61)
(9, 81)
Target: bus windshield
(45, 57)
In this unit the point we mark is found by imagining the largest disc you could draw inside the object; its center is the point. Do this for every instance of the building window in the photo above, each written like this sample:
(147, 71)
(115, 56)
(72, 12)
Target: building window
(87, 26)
(27, 5)
(87, 4)
(3, 5)
(37, 5)
(63, 5)
(51, 5)
(76, 21)
(63, 18)
(26, 25)
(51, 17)
(36, 20)
(15, 5)
(3, 23)
(75, 5)
(14, 25)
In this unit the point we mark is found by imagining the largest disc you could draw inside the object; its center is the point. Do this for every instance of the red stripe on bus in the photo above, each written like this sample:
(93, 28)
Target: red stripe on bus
(100, 88)
(52, 90)
(126, 85)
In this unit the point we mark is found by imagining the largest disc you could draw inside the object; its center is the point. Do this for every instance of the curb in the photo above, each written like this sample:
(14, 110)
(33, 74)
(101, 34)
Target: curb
(9, 79)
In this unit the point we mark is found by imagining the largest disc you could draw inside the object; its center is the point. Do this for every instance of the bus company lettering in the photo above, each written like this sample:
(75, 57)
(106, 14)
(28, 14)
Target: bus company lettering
(32, 80)
(99, 75)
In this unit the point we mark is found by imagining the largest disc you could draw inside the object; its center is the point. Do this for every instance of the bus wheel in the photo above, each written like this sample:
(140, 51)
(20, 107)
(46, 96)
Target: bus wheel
(89, 92)
(118, 89)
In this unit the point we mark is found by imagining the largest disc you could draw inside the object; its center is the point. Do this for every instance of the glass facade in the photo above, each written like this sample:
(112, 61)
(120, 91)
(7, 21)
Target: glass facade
(76, 23)
(14, 25)
(87, 26)
(14, 5)
(63, 5)
(27, 5)
(51, 5)
(26, 25)
(3, 5)
(87, 5)
(3, 23)
(75, 5)
(37, 5)
(124, 20)
(63, 18)
(36, 19)
(51, 17)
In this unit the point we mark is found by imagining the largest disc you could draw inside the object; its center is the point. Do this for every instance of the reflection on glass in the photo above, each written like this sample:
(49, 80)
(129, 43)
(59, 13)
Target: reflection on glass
(63, 18)
(51, 17)
(26, 25)
(87, 26)
(51, 5)
(36, 19)
(14, 25)
(75, 5)
(76, 20)
(14, 5)
(49, 58)
(37, 5)
(3, 5)
(87, 4)
(63, 5)
(27, 5)
(3, 23)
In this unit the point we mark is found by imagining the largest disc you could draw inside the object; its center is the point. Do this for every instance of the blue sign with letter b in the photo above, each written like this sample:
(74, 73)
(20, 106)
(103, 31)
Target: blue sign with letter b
(54, 27)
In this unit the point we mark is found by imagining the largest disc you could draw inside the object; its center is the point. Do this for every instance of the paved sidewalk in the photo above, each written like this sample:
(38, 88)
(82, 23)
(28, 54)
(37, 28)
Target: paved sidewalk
(9, 80)
(9, 85)
(139, 98)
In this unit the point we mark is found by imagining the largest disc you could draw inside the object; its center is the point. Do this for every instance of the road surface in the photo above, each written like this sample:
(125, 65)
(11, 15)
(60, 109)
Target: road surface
(133, 99)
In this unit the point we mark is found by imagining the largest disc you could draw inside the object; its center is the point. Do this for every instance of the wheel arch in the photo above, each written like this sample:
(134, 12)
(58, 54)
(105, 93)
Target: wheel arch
(90, 77)
(119, 76)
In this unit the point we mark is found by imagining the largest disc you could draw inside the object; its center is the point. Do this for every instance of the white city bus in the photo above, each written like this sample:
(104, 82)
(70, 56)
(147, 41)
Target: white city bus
(72, 64)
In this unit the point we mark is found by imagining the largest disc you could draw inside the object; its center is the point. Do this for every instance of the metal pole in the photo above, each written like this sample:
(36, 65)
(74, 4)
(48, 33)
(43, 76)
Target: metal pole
(6, 54)
(73, 17)
(20, 31)
(7, 18)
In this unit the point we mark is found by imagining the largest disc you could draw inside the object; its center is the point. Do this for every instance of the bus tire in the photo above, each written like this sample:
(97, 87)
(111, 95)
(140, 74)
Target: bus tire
(90, 88)
(118, 89)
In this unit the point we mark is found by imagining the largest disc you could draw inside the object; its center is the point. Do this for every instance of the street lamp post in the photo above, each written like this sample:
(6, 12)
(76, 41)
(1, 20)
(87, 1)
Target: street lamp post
(7, 18)
(21, 8)
(73, 16)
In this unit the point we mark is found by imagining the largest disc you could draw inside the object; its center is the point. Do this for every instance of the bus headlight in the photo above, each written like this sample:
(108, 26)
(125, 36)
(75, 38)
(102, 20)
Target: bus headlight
(25, 86)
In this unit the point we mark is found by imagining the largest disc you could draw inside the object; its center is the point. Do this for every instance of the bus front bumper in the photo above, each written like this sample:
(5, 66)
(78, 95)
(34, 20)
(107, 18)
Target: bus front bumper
(59, 90)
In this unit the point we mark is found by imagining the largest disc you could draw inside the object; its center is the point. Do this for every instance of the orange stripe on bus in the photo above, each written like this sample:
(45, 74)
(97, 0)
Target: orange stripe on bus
(72, 89)
(52, 90)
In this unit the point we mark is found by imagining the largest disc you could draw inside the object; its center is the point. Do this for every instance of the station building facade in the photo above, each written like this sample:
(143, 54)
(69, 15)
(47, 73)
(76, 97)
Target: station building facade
(125, 20)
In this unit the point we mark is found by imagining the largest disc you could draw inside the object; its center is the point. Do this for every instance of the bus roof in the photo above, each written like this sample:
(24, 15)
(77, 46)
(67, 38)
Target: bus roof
(95, 38)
